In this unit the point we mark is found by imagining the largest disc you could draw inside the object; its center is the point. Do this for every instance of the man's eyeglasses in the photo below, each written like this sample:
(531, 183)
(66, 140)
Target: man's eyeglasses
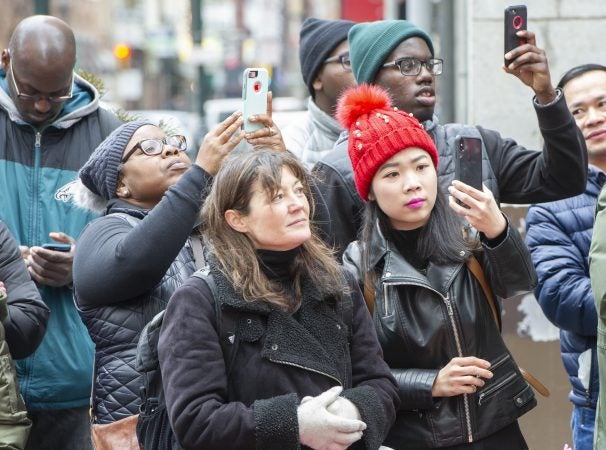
(343, 58)
(38, 97)
(410, 66)
(153, 147)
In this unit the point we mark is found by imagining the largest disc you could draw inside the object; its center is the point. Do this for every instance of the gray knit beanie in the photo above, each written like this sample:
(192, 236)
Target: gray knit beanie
(318, 39)
(100, 173)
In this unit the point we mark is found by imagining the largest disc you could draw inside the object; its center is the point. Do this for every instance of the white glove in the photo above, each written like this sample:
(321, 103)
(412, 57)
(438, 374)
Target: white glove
(322, 430)
(345, 408)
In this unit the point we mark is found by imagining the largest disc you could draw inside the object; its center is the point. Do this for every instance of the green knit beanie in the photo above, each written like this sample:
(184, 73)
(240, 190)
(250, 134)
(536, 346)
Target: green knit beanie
(371, 42)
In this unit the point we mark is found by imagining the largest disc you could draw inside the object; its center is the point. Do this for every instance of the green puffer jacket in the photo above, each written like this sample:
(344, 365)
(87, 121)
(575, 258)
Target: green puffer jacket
(597, 269)
(14, 424)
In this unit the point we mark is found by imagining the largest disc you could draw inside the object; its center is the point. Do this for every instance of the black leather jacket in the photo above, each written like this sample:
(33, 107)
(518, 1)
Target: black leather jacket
(424, 320)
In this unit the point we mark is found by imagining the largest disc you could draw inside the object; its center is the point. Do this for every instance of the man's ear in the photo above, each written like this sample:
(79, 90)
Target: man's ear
(317, 84)
(236, 220)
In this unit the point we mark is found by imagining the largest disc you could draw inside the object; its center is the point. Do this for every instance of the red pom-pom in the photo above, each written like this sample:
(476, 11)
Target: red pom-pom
(360, 100)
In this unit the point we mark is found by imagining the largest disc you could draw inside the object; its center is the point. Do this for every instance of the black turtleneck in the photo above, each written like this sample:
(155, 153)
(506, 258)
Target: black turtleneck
(406, 242)
(276, 265)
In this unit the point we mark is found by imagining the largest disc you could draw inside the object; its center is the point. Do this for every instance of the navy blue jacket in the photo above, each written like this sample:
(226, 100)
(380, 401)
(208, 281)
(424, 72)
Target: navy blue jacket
(559, 235)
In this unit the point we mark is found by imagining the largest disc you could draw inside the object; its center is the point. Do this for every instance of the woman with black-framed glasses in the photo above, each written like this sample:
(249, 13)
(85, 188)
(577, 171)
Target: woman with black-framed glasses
(129, 261)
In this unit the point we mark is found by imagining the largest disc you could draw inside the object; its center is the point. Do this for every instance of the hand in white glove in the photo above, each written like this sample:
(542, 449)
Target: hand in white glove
(322, 430)
(345, 408)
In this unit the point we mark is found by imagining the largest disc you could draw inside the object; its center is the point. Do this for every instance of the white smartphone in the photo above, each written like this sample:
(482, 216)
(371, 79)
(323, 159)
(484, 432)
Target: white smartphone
(255, 85)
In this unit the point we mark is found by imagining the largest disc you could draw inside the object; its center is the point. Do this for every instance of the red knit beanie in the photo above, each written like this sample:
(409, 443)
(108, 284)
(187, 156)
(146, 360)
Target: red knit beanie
(377, 131)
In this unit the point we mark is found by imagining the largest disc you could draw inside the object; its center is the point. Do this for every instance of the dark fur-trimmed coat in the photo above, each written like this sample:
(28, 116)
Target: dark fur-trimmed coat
(280, 359)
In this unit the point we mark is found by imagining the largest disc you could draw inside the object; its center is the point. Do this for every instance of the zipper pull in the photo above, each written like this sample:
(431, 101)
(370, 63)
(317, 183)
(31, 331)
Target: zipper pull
(38, 138)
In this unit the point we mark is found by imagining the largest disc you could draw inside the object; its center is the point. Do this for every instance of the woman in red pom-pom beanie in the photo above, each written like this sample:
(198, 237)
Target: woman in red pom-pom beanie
(459, 386)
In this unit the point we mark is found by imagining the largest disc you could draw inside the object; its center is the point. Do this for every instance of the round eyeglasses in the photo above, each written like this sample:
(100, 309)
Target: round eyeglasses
(153, 147)
(410, 66)
(342, 58)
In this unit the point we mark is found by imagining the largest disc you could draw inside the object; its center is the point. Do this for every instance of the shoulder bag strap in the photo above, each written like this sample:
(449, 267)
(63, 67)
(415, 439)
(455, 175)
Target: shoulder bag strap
(476, 269)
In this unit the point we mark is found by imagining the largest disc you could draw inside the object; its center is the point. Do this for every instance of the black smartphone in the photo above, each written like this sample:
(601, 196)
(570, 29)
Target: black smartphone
(57, 247)
(515, 20)
(468, 162)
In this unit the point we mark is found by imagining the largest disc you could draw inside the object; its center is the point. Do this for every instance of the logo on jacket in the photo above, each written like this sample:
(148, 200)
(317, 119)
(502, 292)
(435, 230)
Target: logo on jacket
(66, 193)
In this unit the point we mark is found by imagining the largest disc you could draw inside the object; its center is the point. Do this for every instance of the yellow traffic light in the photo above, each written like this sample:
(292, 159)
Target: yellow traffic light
(122, 51)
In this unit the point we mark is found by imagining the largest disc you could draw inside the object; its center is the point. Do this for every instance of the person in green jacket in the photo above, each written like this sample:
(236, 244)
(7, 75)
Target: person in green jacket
(593, 110)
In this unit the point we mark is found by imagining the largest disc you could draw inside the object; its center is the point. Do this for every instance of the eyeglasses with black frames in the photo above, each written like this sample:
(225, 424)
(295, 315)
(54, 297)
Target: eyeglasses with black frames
(410, 66)
(342, 58)
(153, 147)
(37, 97)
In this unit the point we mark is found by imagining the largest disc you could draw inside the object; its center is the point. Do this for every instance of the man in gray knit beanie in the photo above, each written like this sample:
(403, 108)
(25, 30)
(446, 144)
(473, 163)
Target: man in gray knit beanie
(324, 59)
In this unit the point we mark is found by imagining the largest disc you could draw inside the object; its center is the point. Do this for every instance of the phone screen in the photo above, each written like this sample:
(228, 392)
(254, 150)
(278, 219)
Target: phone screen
(514, 21)
(255, 86)
(468, 161)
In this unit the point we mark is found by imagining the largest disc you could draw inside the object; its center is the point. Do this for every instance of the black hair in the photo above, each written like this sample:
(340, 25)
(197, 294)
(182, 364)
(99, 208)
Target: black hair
(441, 239)
(577, 71)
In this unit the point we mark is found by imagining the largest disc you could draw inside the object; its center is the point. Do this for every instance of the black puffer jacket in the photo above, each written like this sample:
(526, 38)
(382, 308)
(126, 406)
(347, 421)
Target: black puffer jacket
(123, 275)
(423, 321)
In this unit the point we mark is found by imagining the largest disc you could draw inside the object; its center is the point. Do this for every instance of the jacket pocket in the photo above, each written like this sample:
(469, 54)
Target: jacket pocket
(505, 375)
(10, 399)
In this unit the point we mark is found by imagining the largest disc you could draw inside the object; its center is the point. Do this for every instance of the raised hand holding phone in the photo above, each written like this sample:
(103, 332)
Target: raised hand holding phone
(523, 58)
(260, 129)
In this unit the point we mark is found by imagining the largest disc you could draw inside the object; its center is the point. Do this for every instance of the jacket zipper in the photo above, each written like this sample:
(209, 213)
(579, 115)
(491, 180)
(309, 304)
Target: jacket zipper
(32, 237)
(499, 363)
(460, 350)
(494, 388)
(306, 368)
(455, 330)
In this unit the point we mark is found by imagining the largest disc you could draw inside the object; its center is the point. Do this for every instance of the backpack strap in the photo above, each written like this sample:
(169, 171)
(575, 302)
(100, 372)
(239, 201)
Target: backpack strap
(226, 318)
(198, 250)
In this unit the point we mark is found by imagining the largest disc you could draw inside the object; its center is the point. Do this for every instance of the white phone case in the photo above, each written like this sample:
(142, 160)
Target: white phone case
(255, 84)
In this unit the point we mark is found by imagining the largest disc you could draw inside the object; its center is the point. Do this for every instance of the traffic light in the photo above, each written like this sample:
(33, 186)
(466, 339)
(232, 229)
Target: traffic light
(122, 53)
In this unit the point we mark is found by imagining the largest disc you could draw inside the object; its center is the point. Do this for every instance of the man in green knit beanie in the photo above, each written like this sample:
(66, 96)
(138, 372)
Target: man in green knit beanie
(399, 56)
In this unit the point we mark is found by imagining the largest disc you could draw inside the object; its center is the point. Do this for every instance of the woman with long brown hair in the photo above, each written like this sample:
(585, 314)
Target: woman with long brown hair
(307, 370)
